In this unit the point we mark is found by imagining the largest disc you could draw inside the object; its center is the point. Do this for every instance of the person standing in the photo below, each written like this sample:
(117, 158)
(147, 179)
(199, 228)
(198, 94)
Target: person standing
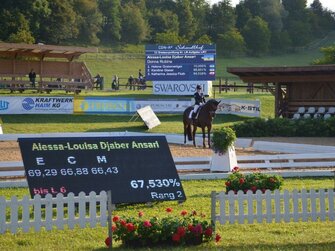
(199, 101)
(32, 77)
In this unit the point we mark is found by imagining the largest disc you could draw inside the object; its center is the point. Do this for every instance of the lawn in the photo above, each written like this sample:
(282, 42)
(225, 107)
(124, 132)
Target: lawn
(275, 236)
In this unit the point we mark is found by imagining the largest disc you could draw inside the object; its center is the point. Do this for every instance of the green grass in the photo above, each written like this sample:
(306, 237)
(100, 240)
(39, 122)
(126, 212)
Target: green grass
(275, 236)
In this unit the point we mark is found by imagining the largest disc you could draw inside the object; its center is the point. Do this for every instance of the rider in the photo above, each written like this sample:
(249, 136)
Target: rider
(199, 101)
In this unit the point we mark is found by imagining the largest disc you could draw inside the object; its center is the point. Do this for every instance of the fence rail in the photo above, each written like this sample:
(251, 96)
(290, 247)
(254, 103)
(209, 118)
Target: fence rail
(268, 207)
(49, 212)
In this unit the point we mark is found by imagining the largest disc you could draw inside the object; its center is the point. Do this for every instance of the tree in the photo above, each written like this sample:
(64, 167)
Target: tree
(111, 25)
(134, 27)
(231, 43)
(272, 12)
(60, 25)
(222, 18)
(201, 11)
(243, 15)
(167, 38)
(89, 20)
(328, 56)
(204, 39)
(187, 23)
(257, 36)
(162, 21)
(22, 33)
(280, 41)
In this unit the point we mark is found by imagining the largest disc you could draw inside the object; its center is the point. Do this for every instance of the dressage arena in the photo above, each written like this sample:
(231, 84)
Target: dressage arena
(9, 150)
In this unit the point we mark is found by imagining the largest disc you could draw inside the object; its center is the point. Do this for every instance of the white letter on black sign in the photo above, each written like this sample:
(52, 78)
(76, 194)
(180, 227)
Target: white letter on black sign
(71, 160)
(101, 159)
(40, 161)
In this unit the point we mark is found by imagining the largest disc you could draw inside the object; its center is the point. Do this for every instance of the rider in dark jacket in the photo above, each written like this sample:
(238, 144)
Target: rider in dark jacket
(199, 101)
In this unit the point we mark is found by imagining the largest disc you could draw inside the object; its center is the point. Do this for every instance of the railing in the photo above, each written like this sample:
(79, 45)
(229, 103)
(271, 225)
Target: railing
(49, 212)
(269, 207)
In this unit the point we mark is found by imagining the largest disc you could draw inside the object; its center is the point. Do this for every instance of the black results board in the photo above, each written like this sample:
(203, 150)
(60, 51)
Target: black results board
(136, 169)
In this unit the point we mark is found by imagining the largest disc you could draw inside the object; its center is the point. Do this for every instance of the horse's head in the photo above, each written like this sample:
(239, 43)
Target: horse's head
(212, 106)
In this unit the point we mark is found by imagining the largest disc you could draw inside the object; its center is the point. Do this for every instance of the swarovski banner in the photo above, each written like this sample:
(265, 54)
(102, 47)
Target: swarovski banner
(36, 105)
(181, 88)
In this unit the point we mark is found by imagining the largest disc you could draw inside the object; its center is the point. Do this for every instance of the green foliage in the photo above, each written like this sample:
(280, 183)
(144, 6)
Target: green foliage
(253, 181)
(281, 127)
(328, 56)
(257, 36)
(161, 230)
(134, 27)
(204, 39)
(231, 43)
(222, 139)
(168, 38)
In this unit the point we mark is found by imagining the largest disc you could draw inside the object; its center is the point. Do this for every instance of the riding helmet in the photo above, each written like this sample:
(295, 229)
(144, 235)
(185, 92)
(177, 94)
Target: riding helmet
(198, 87)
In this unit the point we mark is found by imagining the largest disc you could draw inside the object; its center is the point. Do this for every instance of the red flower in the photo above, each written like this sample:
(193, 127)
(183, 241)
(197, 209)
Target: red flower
(108, 241)
(254, 188)
(181, 231)
(147, 223)
(183, 213)
(198, 229)
(228, 183)
(263, 190)
(217, 238)
(209, 231)
(140, 214)
(130, 227)
(116, 218)
(114, 228)
(241, 180)
(169, 210)
(190, 227)
(176, 237)
(245, 190)
(123, 222)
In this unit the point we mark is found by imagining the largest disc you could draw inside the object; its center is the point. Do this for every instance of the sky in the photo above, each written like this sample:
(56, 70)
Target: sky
(329, 4)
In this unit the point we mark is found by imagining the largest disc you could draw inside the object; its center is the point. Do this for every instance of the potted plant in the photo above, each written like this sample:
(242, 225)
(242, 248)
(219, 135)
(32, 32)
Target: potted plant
(224, 156)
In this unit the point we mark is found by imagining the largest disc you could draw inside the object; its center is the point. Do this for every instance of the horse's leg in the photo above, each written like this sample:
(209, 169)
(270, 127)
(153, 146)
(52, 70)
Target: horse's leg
(185, 132)
(203, 137)
(194, 131)
(209, 128)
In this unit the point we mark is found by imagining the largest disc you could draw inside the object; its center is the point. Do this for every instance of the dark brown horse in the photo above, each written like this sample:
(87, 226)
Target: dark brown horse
(205, 117)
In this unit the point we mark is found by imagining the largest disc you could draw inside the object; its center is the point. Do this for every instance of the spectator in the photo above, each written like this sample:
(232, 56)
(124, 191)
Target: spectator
(98, 81)
(115, 82)
(32, 77)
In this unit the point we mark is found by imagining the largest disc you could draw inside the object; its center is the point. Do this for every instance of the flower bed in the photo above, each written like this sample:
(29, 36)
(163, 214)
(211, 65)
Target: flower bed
(253, 181)
(187, 229)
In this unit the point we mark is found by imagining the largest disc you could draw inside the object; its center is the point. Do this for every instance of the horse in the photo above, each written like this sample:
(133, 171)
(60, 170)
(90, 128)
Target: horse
(205, 116)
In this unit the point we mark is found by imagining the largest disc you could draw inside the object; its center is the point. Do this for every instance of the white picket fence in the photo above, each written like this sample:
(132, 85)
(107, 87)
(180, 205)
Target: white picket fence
(269, 207)
(53, 212)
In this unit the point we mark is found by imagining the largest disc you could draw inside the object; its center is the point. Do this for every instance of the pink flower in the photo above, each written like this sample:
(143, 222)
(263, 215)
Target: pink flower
(236, 169)
(140, 214)
(217, 237)
(183, 213)
(176, 237)
(209, 231)
(169, 210)
(147, 223)
(116, 218)
(198, 229)
(108, 241)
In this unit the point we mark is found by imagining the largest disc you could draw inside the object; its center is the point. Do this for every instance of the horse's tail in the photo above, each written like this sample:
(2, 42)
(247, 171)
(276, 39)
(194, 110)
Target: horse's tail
(189, 132)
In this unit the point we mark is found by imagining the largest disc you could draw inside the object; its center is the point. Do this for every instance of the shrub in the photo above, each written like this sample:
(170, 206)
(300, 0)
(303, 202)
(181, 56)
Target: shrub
(189, 229)
(254, 181)
(222, 139)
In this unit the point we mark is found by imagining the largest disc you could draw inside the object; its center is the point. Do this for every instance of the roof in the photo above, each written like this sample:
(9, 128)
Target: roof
(42, 51)
(315, 73)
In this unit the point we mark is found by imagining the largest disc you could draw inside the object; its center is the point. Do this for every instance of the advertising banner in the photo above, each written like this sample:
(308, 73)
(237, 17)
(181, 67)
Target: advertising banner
(180, 62)
(249, 108)
(101, 105)
(163, 106)
(181, 87)
(36, 105)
